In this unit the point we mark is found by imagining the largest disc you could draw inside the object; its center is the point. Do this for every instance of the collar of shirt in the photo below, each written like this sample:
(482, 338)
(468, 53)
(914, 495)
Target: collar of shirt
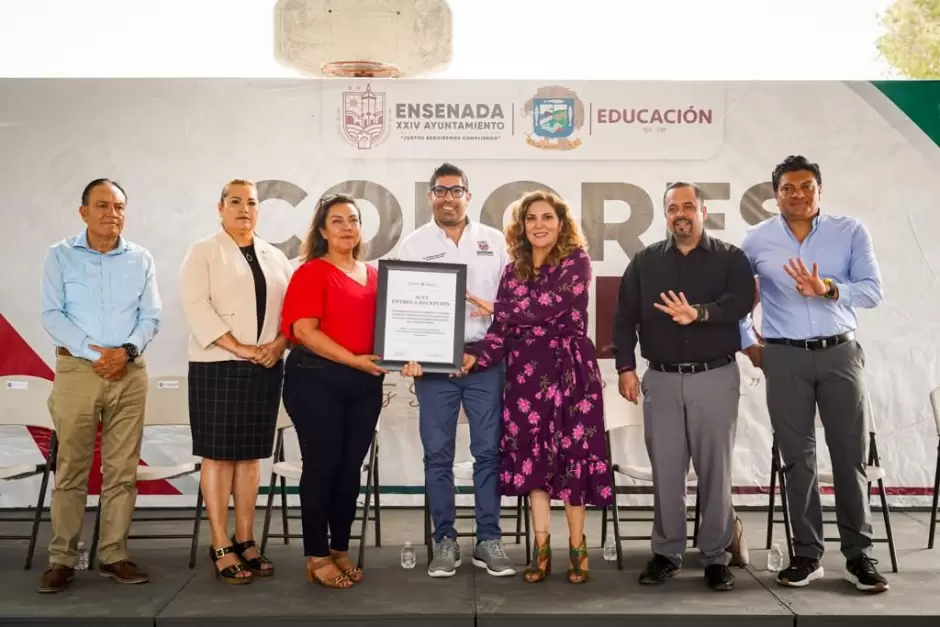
(81, 241)
(786, 228)
(705, 243)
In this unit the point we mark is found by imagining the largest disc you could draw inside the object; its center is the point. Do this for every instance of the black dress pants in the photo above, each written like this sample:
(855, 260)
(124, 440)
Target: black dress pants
(335, 410)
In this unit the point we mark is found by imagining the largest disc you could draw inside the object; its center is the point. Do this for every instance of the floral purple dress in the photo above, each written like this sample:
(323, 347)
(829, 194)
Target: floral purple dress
(553, 413)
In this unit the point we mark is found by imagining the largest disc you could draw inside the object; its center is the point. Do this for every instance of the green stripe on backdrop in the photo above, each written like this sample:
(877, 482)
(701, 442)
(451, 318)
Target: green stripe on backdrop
(919, 100)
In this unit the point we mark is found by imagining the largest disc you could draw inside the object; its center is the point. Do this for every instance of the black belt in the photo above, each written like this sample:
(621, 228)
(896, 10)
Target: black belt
(695, 367)
(814, 344)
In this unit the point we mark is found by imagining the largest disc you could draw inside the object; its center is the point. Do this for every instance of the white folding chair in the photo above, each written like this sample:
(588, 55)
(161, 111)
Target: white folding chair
(24, 402)
(167, 406)
(874, 473)
(283, 469)
(622, 414)
(935, 406)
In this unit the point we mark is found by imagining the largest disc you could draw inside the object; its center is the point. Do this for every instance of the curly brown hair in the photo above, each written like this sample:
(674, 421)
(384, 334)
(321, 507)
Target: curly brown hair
(520, 249)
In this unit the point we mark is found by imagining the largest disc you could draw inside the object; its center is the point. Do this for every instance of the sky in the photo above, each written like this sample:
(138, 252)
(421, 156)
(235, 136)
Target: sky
(503, 39)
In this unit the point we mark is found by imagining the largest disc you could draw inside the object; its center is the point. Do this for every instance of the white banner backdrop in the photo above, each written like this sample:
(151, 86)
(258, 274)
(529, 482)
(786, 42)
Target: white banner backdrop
(608, 148)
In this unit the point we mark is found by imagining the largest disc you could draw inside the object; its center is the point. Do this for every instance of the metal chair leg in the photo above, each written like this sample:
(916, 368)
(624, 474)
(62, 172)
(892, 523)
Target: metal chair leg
(887, 516)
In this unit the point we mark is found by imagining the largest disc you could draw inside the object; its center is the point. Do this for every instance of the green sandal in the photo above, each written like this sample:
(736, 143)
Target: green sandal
(577, 555)
(541, 565)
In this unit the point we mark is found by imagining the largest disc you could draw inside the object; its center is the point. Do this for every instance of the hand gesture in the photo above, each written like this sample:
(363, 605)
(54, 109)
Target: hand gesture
(678, 308)
(367, 364)
(468, 362)
(629, 386)
(270, 353)
(248, 351)
(412, 369)
(112, 364)
(807, 283)
(484, 307)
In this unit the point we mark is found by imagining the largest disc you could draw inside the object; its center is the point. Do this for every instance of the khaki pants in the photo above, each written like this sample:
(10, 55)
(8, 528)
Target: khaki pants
(79, 400)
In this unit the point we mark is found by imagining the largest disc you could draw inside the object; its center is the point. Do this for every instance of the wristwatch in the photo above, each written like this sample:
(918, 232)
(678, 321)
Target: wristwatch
(702, 313)
(831, 292)
(131, 350)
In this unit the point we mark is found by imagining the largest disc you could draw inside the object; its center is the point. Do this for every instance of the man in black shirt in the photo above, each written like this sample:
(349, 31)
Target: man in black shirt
(685, 297)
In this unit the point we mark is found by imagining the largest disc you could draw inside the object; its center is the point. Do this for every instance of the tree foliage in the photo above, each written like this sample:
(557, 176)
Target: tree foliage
(911, 41)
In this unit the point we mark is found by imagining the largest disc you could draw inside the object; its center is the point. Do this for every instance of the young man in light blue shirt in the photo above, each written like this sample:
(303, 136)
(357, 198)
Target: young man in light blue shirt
(814, 271)
(101, 307)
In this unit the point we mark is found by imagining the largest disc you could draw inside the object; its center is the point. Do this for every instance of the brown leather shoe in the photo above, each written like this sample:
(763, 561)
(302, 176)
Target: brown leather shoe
(124, 571)
(56, 579)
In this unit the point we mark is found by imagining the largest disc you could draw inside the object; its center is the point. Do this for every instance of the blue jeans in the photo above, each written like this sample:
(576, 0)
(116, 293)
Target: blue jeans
(439, 399)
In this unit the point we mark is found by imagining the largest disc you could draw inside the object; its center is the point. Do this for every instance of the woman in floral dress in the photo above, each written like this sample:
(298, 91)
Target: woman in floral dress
(553, 444)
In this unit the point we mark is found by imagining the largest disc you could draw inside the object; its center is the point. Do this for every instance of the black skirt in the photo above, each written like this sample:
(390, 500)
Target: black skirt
(233, 407)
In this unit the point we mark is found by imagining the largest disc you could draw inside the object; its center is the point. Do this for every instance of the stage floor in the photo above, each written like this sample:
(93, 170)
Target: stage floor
(391, 596)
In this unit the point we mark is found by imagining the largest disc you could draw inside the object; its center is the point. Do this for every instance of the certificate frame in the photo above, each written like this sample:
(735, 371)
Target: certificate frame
(454, 360)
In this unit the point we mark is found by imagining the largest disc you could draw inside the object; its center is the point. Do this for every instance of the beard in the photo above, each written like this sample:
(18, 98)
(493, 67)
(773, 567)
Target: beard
(682, 229)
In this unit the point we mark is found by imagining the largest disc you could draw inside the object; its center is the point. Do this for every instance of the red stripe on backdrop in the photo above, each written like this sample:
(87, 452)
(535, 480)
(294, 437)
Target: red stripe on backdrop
(17, 358)
(890, 491)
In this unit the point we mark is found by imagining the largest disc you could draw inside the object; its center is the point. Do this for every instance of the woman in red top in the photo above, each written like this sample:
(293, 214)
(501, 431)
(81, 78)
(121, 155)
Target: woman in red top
(332, 385)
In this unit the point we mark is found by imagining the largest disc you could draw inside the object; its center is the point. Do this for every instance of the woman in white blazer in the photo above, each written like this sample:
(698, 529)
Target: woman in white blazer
(232, 287)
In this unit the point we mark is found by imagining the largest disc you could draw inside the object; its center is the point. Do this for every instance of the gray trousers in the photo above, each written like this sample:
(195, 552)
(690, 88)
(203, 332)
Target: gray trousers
(797, 381)
(692, 416)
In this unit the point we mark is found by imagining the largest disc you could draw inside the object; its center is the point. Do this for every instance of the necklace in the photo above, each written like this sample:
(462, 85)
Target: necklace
(350, 271)
(247, 252)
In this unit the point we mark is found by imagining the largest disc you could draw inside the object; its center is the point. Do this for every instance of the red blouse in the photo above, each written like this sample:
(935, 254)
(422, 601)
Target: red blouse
(345, 309)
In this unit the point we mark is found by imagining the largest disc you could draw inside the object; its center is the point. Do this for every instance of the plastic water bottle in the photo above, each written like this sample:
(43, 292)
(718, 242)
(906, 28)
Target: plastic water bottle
(408, 556)
(82, 557)
(610, 549)
(775, 559)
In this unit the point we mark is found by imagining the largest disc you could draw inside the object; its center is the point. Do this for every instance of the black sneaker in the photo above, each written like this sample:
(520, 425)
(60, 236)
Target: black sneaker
(861, 573)
(719, 577)
(801, 572)
(659, 570)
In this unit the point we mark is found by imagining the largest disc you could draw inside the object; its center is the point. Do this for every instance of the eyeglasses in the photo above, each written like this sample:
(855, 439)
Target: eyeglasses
(440, 191)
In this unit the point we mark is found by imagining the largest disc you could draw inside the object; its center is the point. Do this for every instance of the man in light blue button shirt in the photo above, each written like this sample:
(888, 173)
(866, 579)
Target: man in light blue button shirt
(814, 272)
(101, 308)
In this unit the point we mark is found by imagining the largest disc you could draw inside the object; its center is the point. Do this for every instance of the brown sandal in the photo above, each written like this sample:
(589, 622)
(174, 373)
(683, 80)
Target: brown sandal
(540, 566)
(344, 563)
(340, 581)
(577, 555)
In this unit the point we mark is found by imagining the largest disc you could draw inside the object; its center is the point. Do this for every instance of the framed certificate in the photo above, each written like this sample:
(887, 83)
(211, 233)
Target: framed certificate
(420, 315)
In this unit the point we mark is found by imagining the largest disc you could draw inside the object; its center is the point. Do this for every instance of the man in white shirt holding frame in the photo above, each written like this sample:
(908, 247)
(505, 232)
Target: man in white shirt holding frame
(451, 237)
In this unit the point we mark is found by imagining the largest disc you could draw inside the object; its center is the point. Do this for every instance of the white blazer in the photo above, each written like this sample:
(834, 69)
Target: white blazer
(218, 295)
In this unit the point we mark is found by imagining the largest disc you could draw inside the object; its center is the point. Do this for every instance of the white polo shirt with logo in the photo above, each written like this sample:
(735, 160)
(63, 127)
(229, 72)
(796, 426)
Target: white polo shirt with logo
(482, 249)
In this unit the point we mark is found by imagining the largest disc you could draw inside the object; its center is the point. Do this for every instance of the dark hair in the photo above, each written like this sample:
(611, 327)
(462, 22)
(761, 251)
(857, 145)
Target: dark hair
(91, 186)
(448, 169)
(795, 163)
(315, 246)
(699, 195)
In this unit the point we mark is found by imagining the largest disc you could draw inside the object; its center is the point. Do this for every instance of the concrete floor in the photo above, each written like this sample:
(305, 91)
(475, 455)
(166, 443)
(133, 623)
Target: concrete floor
(390, 596)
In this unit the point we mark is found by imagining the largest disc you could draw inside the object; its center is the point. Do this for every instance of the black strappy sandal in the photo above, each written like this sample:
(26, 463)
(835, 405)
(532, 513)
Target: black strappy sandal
(229, 574)
(255, 564)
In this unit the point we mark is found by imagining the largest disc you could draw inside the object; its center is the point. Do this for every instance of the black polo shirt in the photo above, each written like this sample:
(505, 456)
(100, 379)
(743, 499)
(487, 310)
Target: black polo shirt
(715, 274)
